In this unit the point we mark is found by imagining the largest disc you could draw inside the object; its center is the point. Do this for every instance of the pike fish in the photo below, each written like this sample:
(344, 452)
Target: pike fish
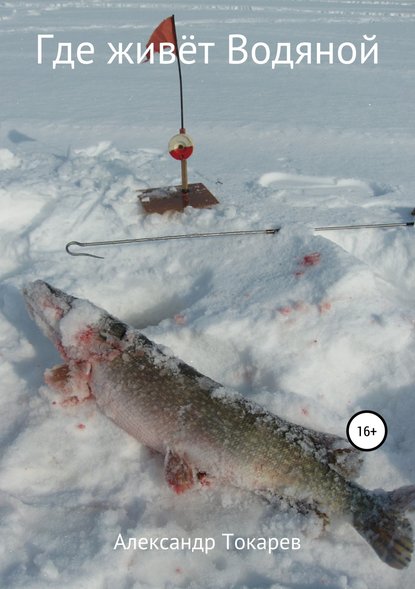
(207, 432)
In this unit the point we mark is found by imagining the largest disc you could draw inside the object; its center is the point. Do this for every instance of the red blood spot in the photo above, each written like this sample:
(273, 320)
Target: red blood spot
(74, 400)
(81, 426)
(178, 570)
(299, 273)
(324, 307)
(70, 401)
(203, 479)
(284, 310)
(300, 306)
(311, 259)
(305, 411)
(181, 488)
(61, 350)
(53, 402)
(86, 336)
(180, 319)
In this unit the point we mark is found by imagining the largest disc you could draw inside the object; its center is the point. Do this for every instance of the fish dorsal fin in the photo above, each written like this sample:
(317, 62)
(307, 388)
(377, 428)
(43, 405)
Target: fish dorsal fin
(178, 472)
(339, 454)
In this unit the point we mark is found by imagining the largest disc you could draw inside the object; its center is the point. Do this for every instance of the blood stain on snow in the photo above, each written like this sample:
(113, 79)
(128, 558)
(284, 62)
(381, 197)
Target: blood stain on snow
(311, 259)
(308, 260)
(70, 401)
(74, 400)
(324, 307)
(297, 306)
(180, 319)
(81, 426)
(300, 306)
(305, 411)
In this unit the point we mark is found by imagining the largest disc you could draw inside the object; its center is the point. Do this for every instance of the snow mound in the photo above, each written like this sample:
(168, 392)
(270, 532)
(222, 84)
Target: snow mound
(8, 160)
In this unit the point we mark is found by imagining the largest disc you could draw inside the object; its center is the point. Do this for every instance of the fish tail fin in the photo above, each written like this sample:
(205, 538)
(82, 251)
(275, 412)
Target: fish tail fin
(385, 528)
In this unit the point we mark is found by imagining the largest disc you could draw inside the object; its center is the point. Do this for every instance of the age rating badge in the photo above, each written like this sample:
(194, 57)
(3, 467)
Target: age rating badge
(366, 430)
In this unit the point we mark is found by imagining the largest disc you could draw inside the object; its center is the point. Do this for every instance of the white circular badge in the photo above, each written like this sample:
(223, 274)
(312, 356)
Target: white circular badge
(366, 430)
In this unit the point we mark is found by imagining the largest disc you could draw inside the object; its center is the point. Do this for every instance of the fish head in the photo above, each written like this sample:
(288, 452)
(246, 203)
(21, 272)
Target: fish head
(79, 329)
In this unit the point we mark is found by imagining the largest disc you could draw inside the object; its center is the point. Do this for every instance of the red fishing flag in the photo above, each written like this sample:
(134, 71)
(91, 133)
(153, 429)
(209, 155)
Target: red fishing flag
(164, 33)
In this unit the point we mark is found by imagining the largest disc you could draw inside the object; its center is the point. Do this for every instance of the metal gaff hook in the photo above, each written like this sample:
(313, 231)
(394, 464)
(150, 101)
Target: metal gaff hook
(223, 234)
(162, 238)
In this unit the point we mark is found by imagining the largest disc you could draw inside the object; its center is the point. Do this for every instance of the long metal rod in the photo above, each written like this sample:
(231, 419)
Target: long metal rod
(219, 234)
(368, 226)
(162, 238)
(180, 72)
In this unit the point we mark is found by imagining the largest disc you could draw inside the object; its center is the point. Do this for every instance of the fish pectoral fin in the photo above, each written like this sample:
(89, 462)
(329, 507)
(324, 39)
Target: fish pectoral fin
(70, 380)
(58, 378)
(338, 453)
(346, 461)
(178, 472)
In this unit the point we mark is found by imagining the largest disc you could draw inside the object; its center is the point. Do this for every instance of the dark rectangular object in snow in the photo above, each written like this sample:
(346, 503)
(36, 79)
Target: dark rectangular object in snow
(173, 198)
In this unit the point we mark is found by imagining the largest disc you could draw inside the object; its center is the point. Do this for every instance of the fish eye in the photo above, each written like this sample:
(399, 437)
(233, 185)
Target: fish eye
(113, 328)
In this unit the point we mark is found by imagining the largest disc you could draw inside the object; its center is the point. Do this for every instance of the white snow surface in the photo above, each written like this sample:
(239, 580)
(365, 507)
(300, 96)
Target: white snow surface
(315, 327)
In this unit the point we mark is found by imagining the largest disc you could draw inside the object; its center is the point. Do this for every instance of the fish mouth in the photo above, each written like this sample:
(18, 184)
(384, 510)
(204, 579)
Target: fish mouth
(47, 306)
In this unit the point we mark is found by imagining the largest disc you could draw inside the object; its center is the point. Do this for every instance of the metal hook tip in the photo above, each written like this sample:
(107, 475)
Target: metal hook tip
(79, 244)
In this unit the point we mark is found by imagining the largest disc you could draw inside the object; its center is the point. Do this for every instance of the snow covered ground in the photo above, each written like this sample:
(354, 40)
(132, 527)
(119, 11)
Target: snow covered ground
(314, 326)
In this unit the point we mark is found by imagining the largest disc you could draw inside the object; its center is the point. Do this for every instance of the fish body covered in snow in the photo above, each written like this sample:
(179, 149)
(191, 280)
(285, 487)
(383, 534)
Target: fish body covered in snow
(207, 432)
